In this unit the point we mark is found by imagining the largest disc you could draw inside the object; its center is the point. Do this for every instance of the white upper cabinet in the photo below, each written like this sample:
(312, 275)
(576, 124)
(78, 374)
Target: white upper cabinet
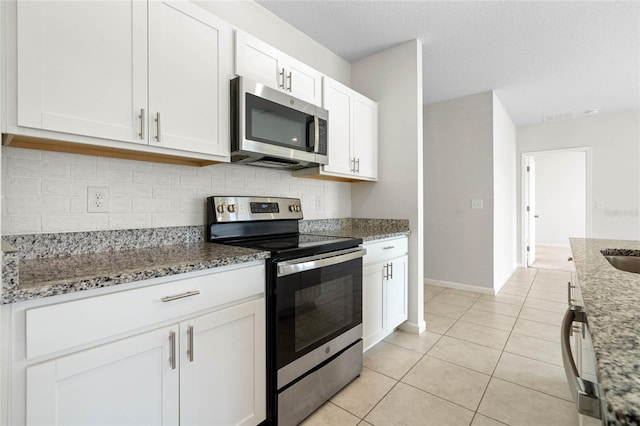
(82, 67)
(154, 73)
(259, 61)
(353, 135)
(189, 72)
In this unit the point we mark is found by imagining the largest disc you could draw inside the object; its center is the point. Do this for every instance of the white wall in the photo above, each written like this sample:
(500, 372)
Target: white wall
(458, 157)
(394, 79)
(249, 16)
(615, 142)
(504, 195)
(560, 197)
(47, 192)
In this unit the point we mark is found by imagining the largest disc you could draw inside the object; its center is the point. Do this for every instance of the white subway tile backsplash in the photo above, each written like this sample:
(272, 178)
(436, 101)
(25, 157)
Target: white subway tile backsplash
(22, 205)
(65, 223)
(21, 186)
(119, 205)
(157, 178)
(111, 174)
(55, 205)
(56, 169)
(161, 191)
(49, 192)
(129, 220)
(129, 190)
(21, 167)
(195, 181)
(83, 171)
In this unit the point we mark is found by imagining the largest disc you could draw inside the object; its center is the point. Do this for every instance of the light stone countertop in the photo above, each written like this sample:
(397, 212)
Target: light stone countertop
(43, 265)
(611, 301)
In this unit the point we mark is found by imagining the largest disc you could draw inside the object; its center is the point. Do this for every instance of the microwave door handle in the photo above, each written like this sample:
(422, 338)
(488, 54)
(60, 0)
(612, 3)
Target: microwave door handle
(316, 133)
(585, 393)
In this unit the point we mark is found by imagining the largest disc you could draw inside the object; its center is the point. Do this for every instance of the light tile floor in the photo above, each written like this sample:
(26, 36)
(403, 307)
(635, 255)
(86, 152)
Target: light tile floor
(483, 361)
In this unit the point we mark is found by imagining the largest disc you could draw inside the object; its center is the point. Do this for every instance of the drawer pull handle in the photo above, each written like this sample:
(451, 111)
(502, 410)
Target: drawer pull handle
(180, 296)
(388, 247)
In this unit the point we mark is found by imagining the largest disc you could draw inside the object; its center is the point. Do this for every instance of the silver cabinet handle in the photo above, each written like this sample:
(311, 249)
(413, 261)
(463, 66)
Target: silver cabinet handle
(190, 343)
(141, 117)
(289, 78)
(391, 270)
(281, 85)
(172, 349)
(158, 129)
(180, 296)
(586, 394)
(353, 167)
(387, 247)
(385, 270)
(358, 166)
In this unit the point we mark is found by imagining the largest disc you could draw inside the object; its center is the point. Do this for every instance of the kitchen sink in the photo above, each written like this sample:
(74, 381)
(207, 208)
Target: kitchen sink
(629, 262)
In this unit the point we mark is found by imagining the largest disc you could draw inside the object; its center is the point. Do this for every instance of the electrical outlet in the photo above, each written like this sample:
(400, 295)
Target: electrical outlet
(318, 202)
(476, 203)
(97, 199)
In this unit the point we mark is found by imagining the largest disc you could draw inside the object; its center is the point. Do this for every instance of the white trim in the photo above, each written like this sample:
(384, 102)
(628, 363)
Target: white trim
(459, 286)
(497, 288)
(412, 327)
(523, 193)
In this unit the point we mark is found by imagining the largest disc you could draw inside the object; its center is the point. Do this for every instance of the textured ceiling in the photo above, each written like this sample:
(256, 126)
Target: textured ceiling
(541, 57)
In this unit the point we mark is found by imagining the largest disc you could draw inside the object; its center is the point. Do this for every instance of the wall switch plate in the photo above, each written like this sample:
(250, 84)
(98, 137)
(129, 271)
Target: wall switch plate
(476, 203)
(318, 202)
(97, 199)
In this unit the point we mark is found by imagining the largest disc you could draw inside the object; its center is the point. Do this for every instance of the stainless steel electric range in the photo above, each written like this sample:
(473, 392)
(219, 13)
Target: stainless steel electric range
(313, 296)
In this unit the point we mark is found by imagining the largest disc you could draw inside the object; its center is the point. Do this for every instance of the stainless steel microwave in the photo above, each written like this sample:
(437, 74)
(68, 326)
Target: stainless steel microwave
(272, 129)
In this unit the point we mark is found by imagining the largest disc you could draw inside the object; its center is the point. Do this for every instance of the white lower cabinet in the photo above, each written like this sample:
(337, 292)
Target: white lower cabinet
(199, 360)
(130, 381)
(384, 289)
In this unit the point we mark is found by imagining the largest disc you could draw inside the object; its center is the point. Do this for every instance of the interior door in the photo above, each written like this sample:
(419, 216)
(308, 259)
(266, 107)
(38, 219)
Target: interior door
(531, 211)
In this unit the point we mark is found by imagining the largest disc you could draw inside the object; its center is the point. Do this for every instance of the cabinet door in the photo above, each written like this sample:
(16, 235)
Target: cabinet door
(82, 67)
(222, 367)
(258, 61)
(365, 136)
(396, 293)
(303, 82)
(337, 100)
(130, 381)
(189, 72)
(373, 305)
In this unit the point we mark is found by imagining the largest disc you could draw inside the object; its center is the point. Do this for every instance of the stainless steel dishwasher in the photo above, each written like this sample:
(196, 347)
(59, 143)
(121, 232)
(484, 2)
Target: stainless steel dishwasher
(580, 364)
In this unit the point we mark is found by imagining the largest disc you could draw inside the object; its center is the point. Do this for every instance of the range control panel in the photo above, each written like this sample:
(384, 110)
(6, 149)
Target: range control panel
(242, 208)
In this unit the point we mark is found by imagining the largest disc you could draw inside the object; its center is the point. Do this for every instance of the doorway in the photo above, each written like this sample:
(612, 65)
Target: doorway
(556, 197)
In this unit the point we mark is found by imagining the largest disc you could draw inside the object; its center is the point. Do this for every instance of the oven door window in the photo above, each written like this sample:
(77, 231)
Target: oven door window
(277, 124)
(316, 306)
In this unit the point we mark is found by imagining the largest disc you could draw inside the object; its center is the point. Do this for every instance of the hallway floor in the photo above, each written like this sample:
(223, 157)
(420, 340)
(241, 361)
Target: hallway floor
(484, 360)
(553, 257)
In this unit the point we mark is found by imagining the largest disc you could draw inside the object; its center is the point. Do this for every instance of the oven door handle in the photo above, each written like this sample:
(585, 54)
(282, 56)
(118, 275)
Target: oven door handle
(319, 261)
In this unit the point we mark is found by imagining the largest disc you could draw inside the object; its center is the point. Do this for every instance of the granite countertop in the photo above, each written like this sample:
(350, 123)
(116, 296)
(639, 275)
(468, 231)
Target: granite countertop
(42, 265)
(611, 298)
(43, 277)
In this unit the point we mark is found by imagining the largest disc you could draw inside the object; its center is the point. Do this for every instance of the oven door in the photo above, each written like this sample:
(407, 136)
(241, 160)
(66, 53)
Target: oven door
(318, 310)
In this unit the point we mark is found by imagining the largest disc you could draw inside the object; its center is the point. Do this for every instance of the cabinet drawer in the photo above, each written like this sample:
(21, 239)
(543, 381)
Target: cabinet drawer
(58, 327)
(385, 249)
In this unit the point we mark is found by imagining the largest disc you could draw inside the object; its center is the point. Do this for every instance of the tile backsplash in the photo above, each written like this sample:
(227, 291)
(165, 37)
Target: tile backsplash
(46, 191)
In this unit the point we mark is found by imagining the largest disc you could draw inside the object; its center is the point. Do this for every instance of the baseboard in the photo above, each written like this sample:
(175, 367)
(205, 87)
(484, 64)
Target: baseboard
(459, 286)
(412, 327)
